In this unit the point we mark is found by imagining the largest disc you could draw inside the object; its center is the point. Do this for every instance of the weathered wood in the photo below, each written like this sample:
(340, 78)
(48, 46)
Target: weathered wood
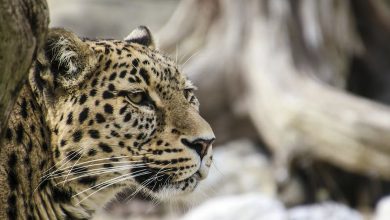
(300, 115)
(286, 64)
(23, 26)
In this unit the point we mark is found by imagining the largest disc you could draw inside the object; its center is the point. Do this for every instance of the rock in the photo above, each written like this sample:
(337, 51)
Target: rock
(383, 209)
(255, 206)
(292, 192)
(251, 206)
(324, 211)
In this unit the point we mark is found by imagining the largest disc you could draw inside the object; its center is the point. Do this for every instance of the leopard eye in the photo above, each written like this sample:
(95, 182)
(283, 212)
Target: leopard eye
(140, 98)
(136, 97)
(188, 92)
(191, 98)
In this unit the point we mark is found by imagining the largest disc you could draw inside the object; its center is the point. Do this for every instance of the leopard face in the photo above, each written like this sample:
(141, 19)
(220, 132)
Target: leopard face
(121, 115)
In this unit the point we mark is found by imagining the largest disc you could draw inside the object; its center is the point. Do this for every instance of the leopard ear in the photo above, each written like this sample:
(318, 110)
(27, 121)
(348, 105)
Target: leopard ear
(69, 58)
(141, 35)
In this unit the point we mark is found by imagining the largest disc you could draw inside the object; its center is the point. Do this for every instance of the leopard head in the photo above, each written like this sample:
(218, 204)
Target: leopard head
(121, 115)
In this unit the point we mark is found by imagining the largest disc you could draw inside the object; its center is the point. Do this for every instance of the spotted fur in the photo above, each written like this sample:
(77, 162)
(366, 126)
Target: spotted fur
(97, 117)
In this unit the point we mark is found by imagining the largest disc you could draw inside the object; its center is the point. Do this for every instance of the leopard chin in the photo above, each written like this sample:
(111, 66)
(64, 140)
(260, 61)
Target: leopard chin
(163, 188)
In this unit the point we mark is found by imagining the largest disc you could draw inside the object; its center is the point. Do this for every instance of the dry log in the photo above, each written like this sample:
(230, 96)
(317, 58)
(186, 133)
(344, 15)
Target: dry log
(301, 115)
(286, 65)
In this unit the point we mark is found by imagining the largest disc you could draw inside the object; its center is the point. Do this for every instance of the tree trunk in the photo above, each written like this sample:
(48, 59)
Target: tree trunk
(23, 27)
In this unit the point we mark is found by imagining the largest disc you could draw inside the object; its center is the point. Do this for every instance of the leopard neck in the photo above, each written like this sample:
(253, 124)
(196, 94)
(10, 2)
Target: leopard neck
(25, 157)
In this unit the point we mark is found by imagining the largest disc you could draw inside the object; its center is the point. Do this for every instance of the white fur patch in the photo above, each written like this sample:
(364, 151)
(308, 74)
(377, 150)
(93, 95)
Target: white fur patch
(137, 34)
(142, 36)
(64, 55)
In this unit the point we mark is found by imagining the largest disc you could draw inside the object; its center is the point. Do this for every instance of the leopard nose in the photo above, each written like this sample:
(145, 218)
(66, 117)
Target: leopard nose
(200, 145)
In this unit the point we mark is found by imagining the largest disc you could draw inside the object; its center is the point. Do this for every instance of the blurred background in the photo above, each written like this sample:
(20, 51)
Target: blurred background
(297, 92)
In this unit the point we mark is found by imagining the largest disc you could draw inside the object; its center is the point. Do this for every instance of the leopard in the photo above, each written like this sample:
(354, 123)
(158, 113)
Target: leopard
(95, 117)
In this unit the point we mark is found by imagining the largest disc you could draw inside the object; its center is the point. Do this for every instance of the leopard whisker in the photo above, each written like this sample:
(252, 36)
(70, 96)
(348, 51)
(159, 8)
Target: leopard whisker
(142, 186)
(89, 161)
(116, 162)
(155, 202)
(104, 182)
(111, 169)
(72, 155)
(46, 178)
(74, 164)
(193, 55)
(177, 52)
(217, 169)
(108, 158)
(66, 158)
(130, 165)
(124, 177)
(59, 173)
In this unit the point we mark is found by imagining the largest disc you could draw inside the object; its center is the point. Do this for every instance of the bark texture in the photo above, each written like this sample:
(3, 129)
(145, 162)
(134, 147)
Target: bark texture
(23, 27)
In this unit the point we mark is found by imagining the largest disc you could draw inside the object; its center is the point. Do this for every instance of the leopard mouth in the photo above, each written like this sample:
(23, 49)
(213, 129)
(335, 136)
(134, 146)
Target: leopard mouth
(156, 182)
(152, 180)
(178, 190)
(181, 187)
